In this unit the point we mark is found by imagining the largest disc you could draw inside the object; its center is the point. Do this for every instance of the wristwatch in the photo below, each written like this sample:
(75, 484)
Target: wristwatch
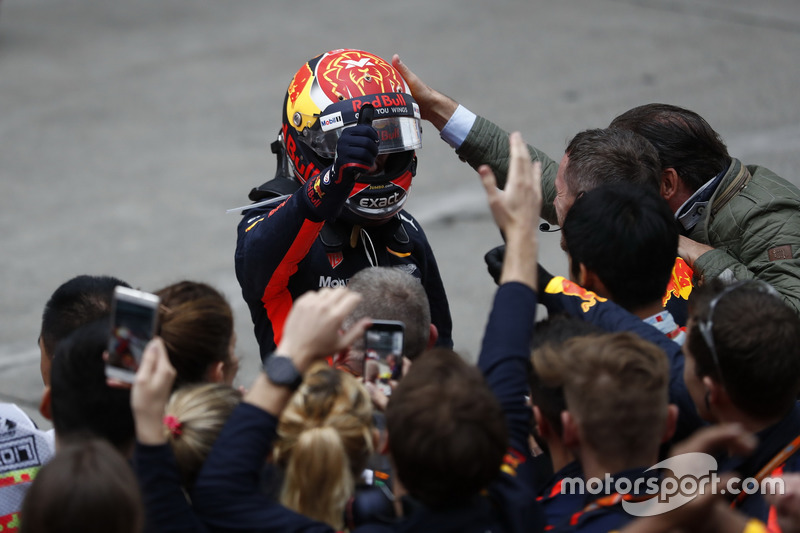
(281, 371)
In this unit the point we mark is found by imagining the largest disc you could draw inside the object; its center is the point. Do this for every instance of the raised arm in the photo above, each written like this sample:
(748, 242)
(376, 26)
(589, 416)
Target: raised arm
(477, 141)
(505, 354)
(166, 507)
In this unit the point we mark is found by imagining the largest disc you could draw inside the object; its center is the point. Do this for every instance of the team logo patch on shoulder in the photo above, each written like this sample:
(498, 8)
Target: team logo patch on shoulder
(561, 285)
(335, 259)
(680, 283)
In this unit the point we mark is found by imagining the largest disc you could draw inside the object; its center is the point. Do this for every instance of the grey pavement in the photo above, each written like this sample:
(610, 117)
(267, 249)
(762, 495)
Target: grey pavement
(127, 128)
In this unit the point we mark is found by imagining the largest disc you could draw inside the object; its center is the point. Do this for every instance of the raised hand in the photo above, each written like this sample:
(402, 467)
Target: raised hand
(150, 393)
(434, 106)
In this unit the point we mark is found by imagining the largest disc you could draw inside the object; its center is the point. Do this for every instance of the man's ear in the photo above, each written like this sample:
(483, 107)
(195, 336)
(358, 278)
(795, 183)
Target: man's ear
(590, 281)
(583, 276)
(542, 425)
(670, 423)
(433, 336)
(716, 395)
(670, 183)
(570, 435)
(44, 405)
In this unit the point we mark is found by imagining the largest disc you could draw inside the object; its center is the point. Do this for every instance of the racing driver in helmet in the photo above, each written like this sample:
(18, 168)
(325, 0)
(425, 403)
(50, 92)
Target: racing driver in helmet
(335, 204)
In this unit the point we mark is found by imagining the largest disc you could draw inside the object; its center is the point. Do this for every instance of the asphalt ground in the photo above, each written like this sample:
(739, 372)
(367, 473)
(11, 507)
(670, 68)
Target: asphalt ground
(128, 128)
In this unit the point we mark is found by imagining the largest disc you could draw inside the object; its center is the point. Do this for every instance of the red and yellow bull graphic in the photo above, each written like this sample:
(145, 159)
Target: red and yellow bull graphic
(299, 82)
(344, 72)
(561, 285)
(680, 283)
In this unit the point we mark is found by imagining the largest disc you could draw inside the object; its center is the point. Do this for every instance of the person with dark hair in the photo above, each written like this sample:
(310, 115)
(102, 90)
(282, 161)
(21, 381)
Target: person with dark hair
(87, 487)
(738, 221)
(622, 242)
(78, 301)
(743, 365)
(195, 322)
(83, 404)
(335, 205)
(601, 157)
(689, 148)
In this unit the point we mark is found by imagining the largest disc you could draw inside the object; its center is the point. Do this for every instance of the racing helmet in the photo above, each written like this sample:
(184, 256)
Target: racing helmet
(325, 97)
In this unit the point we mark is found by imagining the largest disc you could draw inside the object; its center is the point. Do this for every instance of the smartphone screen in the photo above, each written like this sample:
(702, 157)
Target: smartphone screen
(383, 350)
(133, 324)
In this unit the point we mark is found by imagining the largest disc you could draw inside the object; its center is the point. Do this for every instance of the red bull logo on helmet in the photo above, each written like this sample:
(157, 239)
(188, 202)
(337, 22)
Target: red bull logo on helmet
(341, 72)
(299, 83)
(561, 285)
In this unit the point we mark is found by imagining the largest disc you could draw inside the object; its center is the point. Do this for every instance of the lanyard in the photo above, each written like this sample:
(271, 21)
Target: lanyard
(776, 462)
(608, 501)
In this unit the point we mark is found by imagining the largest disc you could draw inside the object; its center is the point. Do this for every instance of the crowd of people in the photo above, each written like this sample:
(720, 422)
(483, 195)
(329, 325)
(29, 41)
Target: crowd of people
(670, 350)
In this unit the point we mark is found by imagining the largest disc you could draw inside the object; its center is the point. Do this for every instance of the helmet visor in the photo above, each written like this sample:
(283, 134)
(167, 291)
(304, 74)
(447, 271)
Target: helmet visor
(396, 134)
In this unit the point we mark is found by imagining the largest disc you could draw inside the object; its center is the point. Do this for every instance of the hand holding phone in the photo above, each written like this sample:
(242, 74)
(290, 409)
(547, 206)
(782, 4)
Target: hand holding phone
(133, 323)
(383, 350)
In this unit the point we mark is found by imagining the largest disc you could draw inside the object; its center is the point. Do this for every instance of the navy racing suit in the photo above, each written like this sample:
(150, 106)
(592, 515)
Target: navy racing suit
(285, 250)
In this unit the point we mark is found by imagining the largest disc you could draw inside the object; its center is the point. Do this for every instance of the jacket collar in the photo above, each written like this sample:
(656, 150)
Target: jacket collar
(693, 209)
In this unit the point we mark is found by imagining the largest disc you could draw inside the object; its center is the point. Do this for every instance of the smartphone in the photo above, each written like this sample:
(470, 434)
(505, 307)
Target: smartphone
(133, 323)
(383, 349)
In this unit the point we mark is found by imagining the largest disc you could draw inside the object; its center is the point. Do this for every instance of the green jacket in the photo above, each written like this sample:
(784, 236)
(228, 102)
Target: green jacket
(753, 223)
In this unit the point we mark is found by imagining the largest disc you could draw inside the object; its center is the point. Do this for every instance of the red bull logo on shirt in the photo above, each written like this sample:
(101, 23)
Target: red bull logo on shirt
(561, 285)
(680, 282)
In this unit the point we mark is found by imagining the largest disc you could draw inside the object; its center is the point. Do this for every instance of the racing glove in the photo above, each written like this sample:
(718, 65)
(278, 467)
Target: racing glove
(356, 151)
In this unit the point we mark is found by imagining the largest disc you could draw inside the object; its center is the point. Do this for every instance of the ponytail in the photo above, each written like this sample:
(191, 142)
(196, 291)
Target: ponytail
(318, 479)
(325, 439)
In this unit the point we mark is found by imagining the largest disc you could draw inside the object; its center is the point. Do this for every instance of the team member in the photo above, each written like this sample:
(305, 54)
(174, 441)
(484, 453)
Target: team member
(738, 221)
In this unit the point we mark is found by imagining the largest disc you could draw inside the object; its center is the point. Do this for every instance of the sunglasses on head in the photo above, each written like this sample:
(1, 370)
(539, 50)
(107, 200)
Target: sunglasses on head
(706, 325)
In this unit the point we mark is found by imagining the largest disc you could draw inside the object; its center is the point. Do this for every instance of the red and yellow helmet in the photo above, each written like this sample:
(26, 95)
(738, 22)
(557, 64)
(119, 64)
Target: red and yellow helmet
(324, 97)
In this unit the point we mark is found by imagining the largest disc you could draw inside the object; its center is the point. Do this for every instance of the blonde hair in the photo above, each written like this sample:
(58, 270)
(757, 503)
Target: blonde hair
(324, 441)
(198, 413)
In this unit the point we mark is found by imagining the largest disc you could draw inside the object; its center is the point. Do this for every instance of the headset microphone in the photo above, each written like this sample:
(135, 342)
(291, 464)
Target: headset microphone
(544, 226)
